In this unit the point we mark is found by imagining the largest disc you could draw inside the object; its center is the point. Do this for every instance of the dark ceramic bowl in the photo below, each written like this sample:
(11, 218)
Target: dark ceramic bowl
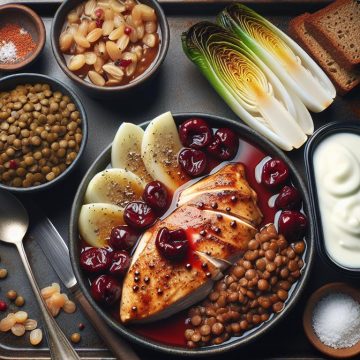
(320, 135)
(247, 134)
(56, 29)
(9, 83)
(24, 17)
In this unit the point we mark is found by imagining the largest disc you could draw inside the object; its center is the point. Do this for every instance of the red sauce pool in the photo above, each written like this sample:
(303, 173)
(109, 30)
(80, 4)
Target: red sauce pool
(171, 331)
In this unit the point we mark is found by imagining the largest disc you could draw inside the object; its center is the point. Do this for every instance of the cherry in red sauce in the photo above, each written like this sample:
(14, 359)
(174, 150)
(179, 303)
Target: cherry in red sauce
(275, 173)
(120, 263)
(106, 290)
(225, 144)
(172, 245)
(288, 199)
(139, 215)
(156, 195)
(192, 161)
(195, 133)
(123, 237)
(95, 260)
(292, 224)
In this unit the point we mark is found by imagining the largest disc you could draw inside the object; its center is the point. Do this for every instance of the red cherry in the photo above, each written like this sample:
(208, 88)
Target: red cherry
(139, 215)
(95, 260)
(127, 30)
(192, 161)
(3, 306)
(121, 263)
(172, 245)
(288, 199)
(195, 133)
(275, 173)
(106, 290)
(156, 195)
(225, 144)
(123, 237)
(292, 224)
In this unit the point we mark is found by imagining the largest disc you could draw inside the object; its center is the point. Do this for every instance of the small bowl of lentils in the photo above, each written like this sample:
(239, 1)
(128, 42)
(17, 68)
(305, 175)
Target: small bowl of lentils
(43, 132)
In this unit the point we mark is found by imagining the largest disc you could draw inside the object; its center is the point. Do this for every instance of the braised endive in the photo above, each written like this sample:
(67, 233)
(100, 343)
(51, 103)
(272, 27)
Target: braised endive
(294, 67)
(247, 85)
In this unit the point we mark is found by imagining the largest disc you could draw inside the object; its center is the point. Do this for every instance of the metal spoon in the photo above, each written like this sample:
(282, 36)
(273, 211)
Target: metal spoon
(14, 222)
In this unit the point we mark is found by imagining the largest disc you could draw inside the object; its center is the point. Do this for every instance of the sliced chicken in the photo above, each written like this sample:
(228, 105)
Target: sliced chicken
(220, 217)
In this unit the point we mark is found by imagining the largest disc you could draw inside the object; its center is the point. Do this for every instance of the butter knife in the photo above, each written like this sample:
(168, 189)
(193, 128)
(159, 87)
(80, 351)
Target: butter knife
(56, 251)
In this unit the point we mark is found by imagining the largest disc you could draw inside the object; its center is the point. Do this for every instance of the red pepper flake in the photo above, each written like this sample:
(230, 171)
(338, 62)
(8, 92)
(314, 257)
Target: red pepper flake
(13, 164)
(21, 39)
(127, 30)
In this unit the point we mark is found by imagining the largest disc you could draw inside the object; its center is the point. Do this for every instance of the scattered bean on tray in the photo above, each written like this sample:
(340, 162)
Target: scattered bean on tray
(40, 135)
(255, 287)
(110, 42)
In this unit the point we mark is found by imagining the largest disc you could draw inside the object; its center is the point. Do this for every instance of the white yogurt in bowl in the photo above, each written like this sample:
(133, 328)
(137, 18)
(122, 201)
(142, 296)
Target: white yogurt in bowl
(336, 164)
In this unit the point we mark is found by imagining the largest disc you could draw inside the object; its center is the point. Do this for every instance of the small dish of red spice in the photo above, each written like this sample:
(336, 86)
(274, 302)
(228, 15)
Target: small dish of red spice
(22, 36)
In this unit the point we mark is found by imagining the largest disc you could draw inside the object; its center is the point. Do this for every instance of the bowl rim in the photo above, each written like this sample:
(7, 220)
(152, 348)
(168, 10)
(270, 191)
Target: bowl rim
(33, 78)
(248, 134)
(318, 137)
(163, 49)
(40, 27)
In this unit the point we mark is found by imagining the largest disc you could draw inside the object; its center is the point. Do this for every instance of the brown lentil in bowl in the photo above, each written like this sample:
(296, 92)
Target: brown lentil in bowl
(256, 287)
(40, 135)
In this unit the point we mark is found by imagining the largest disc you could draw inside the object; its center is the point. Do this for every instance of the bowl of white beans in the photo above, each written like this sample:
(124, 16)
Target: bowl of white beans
(109, 46)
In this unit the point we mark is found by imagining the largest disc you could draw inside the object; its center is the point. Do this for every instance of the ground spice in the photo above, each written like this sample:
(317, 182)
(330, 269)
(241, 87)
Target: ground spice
(15, 43)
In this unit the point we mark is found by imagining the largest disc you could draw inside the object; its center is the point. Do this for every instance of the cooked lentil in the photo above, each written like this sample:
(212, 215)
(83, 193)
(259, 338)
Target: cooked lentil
(254, 288)
(32, 130)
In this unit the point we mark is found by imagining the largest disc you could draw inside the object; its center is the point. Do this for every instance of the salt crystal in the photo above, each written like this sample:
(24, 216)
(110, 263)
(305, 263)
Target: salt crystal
(336, 321)
(7, 52)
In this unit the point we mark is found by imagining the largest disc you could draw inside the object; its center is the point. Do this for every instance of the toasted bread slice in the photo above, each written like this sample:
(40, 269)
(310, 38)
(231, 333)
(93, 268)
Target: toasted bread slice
(337, 28)
(343, 79)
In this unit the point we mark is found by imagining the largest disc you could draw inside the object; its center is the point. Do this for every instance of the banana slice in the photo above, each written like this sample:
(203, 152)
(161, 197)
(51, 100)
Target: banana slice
(126, 150)
(159, 151)
(97, 220)
(114, 186)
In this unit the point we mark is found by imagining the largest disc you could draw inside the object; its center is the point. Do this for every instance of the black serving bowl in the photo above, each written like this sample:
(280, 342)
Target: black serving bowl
(10, 82)
(57, 27)
(247, 134)
(320, 135)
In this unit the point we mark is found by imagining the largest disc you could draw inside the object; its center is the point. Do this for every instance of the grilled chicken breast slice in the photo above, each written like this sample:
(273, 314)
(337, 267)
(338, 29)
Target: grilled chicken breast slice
(155, 287)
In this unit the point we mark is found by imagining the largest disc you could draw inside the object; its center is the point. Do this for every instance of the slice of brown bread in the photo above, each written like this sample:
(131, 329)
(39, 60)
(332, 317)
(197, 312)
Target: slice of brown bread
(337, 28)
(344, 80)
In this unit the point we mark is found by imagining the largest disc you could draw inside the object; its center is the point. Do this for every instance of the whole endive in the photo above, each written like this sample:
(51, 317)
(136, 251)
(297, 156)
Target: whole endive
(247, 85)
(292, 65)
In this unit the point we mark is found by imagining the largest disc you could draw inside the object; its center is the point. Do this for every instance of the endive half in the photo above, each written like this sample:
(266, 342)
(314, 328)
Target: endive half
(247, 85)
(282, 55)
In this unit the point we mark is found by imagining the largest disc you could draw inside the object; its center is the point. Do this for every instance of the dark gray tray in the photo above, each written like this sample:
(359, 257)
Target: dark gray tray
(178, 87)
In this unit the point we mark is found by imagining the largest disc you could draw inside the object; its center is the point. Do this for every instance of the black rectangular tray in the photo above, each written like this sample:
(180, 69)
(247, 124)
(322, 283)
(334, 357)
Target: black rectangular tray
(189, 92)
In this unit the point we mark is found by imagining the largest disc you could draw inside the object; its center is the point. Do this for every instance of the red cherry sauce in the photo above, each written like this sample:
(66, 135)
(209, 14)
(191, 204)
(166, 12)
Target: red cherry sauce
(171, 331)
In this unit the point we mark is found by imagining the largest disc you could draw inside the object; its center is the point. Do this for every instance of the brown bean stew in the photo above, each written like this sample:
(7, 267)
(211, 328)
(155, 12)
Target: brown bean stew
(256, 286)
(110, 42)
